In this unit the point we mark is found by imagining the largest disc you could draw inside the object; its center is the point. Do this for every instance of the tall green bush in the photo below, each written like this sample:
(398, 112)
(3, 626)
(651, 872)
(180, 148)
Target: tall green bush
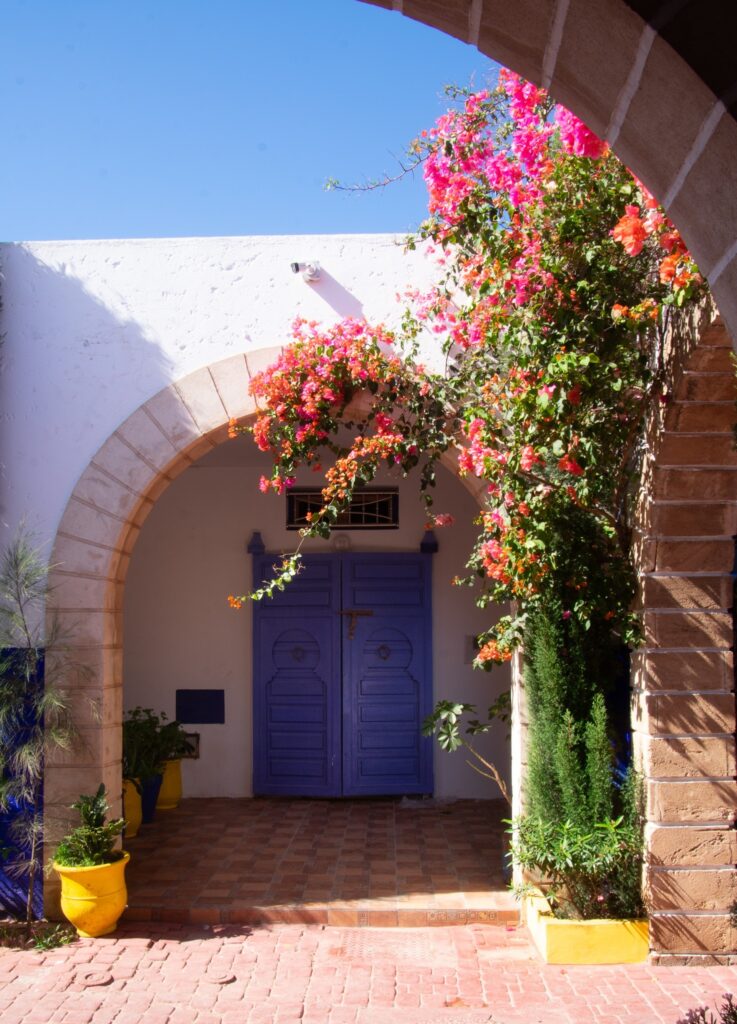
(36, 672)
(581, 834)
(598, 774)
(570, 754)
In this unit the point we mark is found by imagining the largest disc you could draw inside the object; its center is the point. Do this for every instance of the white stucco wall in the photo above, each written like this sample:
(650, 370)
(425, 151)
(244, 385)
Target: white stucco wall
(180, 633)
(95, 328)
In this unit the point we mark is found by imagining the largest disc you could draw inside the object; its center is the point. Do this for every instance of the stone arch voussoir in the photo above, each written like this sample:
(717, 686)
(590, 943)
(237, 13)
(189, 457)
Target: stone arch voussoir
(91, 554)
(617, 73)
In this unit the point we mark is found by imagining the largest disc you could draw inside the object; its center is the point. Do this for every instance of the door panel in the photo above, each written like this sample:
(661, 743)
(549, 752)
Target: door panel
(297, 684)
(328, 683)
(387, 673)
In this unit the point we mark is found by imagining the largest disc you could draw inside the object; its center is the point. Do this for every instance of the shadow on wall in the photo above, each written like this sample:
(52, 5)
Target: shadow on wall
(343, 302)
(73, 368)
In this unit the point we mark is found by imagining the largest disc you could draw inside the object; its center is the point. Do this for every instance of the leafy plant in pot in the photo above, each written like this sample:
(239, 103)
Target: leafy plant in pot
(92, 871)
(143, 760)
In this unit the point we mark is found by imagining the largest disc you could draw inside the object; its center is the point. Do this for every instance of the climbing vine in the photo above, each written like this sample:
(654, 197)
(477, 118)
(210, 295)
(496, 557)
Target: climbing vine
(557, 274)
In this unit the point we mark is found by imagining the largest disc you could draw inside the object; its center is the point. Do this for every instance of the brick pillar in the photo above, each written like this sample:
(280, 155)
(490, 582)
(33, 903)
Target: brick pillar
(683, 680)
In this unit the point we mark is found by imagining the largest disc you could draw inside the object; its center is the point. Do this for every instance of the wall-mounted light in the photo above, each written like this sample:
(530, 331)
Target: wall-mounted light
(310, 271)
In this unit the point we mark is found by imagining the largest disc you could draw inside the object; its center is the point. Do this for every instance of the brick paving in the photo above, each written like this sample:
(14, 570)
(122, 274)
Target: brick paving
(160, 973)
(383, 862)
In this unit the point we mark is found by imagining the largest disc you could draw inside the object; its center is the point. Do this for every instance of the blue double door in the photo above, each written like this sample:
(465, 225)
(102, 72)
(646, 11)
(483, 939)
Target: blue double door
(343, 677)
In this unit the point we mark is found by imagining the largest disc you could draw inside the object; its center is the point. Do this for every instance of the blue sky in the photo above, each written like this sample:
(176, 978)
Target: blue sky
(213, 117)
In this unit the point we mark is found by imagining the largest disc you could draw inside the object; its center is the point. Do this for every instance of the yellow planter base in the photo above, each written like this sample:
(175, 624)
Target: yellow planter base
(171, 786)
(131, 809)
(599, 941)
(93, 898)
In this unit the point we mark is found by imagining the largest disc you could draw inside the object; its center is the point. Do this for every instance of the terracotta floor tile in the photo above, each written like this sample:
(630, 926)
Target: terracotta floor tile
(329, 861)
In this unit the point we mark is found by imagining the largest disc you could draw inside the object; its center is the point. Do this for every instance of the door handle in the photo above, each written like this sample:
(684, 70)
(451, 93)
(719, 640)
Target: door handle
(354, 613)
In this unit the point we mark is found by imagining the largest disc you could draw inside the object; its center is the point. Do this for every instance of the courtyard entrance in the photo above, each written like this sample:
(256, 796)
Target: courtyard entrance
(376, 862)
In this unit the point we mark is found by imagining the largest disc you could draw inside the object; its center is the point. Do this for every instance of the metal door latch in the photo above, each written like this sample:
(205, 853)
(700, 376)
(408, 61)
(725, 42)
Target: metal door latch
(354, 614)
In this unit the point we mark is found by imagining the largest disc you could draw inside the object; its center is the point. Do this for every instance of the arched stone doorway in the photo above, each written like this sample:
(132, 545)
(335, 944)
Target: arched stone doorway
(641, 85)
(96, 535)
(92, 551)
(684, 716)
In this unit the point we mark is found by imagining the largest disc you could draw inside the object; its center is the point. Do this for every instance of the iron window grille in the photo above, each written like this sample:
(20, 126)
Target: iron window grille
(370, 509)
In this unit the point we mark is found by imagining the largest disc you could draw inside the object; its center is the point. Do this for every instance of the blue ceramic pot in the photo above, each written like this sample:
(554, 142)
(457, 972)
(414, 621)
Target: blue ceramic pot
(149, 795)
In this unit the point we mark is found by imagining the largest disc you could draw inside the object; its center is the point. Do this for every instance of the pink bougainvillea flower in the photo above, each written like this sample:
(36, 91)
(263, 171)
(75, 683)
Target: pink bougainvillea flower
(440, 519)
(576, 138)
(552, 346)
(528, 458)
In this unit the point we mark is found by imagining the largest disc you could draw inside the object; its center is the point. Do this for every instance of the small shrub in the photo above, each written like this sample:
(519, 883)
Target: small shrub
(54, 936)
(585, 872)
(582, 836)
(703, 1015)
(173, 740)
(148, 741)
(142, 754)
(39, 935)
(37, 674)
(92, 842)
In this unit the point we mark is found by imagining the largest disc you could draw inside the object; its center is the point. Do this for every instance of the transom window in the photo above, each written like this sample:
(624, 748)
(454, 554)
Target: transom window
(370, 509)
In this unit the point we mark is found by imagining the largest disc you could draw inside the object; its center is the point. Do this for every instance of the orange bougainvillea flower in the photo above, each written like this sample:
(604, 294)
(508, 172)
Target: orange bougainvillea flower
(569, 465)
(667, 270)
(630, 232)
(491, 651)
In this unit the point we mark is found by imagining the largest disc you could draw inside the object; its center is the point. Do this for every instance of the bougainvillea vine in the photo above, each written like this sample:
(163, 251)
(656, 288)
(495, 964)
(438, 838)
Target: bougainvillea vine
(557, 274)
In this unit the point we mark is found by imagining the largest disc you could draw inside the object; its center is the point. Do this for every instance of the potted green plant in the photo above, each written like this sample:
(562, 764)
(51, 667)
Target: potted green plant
(585, 906)
(92, 871)
(580, 839)
(143, 762)
(173, 745)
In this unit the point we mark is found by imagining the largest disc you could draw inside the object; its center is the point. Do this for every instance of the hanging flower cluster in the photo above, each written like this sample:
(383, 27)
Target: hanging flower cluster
(305, 394)
(557, 274)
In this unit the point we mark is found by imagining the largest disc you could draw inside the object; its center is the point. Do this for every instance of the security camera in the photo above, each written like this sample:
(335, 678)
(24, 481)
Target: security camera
(310, 271)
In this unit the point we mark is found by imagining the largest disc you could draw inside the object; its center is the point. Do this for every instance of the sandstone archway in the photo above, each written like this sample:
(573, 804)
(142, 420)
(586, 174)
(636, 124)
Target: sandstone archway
(684, 712)
(92, 550)
(91, 553)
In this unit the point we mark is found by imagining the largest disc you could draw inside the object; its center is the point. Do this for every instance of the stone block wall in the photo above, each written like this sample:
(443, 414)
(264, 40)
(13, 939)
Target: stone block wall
(682, 677)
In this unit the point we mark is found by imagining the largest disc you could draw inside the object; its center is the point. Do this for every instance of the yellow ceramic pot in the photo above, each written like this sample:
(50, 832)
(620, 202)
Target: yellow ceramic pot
(171, 786)
(131, 808)
(93, 898)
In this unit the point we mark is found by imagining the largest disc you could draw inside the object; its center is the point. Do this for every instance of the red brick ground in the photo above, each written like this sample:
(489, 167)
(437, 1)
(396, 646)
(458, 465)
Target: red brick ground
(169, 974)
